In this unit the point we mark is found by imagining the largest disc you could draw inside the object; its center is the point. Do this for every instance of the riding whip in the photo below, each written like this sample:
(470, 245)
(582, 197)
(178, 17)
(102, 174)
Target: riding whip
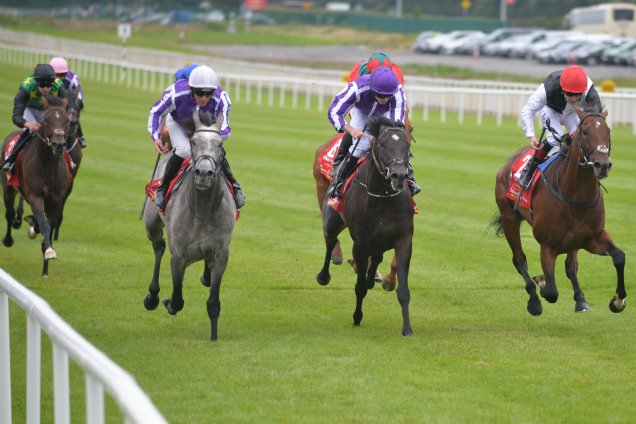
(143, 208)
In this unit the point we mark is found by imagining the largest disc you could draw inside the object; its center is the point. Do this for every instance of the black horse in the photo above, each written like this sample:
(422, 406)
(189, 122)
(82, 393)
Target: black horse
(378, 209)
(44, 176)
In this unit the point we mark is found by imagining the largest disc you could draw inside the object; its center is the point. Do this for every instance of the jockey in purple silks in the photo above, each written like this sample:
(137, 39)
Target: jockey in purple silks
(201, 91)
(378, 93)
(71, 83)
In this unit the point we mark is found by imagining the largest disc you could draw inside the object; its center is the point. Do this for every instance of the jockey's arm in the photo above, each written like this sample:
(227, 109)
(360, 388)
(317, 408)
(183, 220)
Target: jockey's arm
(19, 106)
(355, 133)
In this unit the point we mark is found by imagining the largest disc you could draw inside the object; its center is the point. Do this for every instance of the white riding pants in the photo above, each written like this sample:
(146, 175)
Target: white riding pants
(358, 121)
(33, 115)
(568, 118)
(178, 137)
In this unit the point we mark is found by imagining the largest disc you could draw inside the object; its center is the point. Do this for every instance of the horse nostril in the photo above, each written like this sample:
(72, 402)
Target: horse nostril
(197, 172)
(209, 173)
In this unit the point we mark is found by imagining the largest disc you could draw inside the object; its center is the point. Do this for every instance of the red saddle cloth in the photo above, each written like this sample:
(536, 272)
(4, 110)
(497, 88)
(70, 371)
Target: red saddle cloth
(514, 189)
(13, 177)
(151, 187)
(328, 155)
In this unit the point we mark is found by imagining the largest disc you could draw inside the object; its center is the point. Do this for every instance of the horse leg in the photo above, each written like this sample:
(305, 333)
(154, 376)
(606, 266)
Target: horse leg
(37, 206)
(332, 226)
(323, 277)
(45, 267)
(151, 301)
(403, 252)
(336, 254)
(206, 277)
(549, 290)
(361, 284)
(175, 303)
(511, 224)
(604, 246)
(216, 271)
(17, 221)
(571, 269)
(374, 261)
(388, 282)
(9, 214)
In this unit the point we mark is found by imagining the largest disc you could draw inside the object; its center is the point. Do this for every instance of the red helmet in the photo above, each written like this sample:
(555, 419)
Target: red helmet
(574, 79)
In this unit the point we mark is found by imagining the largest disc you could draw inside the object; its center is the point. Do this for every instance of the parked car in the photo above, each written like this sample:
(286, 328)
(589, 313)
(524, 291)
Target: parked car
(559, 53)
(590, 54)
(501, 34)
(521, 45)
(615, 56)
(451, 46)
(420, 41)
(435, 44)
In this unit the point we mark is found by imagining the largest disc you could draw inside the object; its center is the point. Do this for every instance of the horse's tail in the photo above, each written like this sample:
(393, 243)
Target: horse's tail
(497, 224)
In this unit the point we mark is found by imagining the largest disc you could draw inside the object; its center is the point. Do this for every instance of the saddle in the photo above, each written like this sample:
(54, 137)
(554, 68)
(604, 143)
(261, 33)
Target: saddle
(328, 155)
(515, 189)
(151, 187)
(13, 177)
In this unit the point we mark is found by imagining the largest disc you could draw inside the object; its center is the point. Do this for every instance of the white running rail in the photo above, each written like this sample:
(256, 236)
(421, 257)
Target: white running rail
(101, 373)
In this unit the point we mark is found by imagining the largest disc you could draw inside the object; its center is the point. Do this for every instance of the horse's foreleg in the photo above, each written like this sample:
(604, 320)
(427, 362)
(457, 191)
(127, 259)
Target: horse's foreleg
(374, 262)
(216, 271)
(332, 226)
(17, 220)
(603, 245)
(323, 276)
(548, 290)
(571, 269)
(175, 303)
(388, 282)
(361, 284)
(37, 206)
(511, 224)
(9, 214)
(403, 252)
(151, 301)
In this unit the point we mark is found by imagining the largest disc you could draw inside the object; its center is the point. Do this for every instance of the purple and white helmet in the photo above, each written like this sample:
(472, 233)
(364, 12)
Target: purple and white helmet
(384, 81)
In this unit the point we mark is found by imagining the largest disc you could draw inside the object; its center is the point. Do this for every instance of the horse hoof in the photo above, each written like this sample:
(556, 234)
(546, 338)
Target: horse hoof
(617, 305)
(535, 309)
(323, 280)
(171, 310)
(407, 332)
(17, 224)
(7, 241)
(151, 302)
(336, 259)
(50, 254)
(31, 233)
(205, 282)
(371, 284)
(582, 307)
(388, 285)
(378, 276)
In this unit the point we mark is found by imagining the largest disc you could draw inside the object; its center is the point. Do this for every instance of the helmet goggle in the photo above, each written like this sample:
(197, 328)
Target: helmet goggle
(44, 82)
(202, 92)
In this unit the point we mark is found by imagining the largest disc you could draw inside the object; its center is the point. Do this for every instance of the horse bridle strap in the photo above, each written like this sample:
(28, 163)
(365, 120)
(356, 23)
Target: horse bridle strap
(584, 160)
(581, 203)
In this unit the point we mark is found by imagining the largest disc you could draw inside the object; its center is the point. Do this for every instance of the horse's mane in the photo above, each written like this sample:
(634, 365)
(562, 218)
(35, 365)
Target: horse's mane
(55, 101)
(377, 121)
(596, 107)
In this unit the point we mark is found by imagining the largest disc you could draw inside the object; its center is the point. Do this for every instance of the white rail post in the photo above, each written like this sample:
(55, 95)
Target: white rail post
(62, 406)
(5, 360)
(94, 400)
(34, 373)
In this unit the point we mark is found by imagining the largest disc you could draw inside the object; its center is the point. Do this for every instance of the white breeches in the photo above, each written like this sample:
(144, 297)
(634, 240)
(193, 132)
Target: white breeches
(568, 118)
(178, 137)
(358, 121)
(33, 115)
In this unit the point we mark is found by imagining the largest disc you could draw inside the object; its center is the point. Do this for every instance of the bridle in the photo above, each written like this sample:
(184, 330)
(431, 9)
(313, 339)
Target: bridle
(207, 156)
(61, 132)
(585, 162)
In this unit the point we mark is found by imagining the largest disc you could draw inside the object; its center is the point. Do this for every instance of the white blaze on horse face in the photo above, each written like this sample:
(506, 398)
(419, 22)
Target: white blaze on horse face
(598, 124)
(602, 149)
(395, 137)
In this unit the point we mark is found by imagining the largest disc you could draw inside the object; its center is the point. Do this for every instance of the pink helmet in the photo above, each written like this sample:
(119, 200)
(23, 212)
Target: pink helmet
(59, 64)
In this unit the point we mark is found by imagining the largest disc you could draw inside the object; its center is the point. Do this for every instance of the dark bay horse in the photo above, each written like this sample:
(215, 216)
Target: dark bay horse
(44, 175)
(378, 210)
(567, 213)
(199, 220)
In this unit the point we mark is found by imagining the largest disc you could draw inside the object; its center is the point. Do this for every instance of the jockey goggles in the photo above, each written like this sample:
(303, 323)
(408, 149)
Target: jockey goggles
(62, 75)
(570, 94)
(203, 92)
(381, 96)
(44, 83)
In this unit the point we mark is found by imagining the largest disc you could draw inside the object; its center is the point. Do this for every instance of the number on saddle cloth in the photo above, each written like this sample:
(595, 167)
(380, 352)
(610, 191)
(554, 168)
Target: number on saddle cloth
(328, 155)
(514, 188)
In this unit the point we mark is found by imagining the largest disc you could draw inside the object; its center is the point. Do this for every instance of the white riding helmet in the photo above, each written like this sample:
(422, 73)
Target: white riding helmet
(203, 77)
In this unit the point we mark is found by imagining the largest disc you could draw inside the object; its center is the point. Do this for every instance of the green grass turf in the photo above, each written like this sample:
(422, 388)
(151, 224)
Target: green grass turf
(287, 349)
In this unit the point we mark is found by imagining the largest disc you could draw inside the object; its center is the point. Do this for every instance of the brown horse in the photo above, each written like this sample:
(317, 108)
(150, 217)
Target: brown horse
(567, 213)
(44, 175)
(378, 209)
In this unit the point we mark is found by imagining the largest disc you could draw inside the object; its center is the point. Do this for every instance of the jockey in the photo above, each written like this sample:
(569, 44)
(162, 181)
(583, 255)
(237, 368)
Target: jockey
(71, 83)
(28, 110)
(364, 67)
(378, 93)
(556, 100)
(201, 91)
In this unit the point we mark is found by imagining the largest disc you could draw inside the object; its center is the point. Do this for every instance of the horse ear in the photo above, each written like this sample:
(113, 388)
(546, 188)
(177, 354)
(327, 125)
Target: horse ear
(219, 121)
(45, 102)
(196, 118)
(604, 113)
(579, 112)
(64, 103)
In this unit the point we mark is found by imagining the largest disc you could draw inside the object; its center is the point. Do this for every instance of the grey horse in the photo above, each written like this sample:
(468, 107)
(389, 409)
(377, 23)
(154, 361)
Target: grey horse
(199, 220)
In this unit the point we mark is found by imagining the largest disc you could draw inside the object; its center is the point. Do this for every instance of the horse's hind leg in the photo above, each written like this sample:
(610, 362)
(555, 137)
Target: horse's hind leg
(511, 224)
(332, 226)
(388, 282)
(571, 269)
(152, 298)
(17, 221)
(549, 290)
(374, 262)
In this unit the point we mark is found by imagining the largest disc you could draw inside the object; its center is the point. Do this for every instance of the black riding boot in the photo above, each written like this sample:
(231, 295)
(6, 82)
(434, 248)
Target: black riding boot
(343, 149)
(537, 158)
(343, 175)
(171, 171)
(80, 138)
(412, 184)
(239, 196)
(19, 145)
